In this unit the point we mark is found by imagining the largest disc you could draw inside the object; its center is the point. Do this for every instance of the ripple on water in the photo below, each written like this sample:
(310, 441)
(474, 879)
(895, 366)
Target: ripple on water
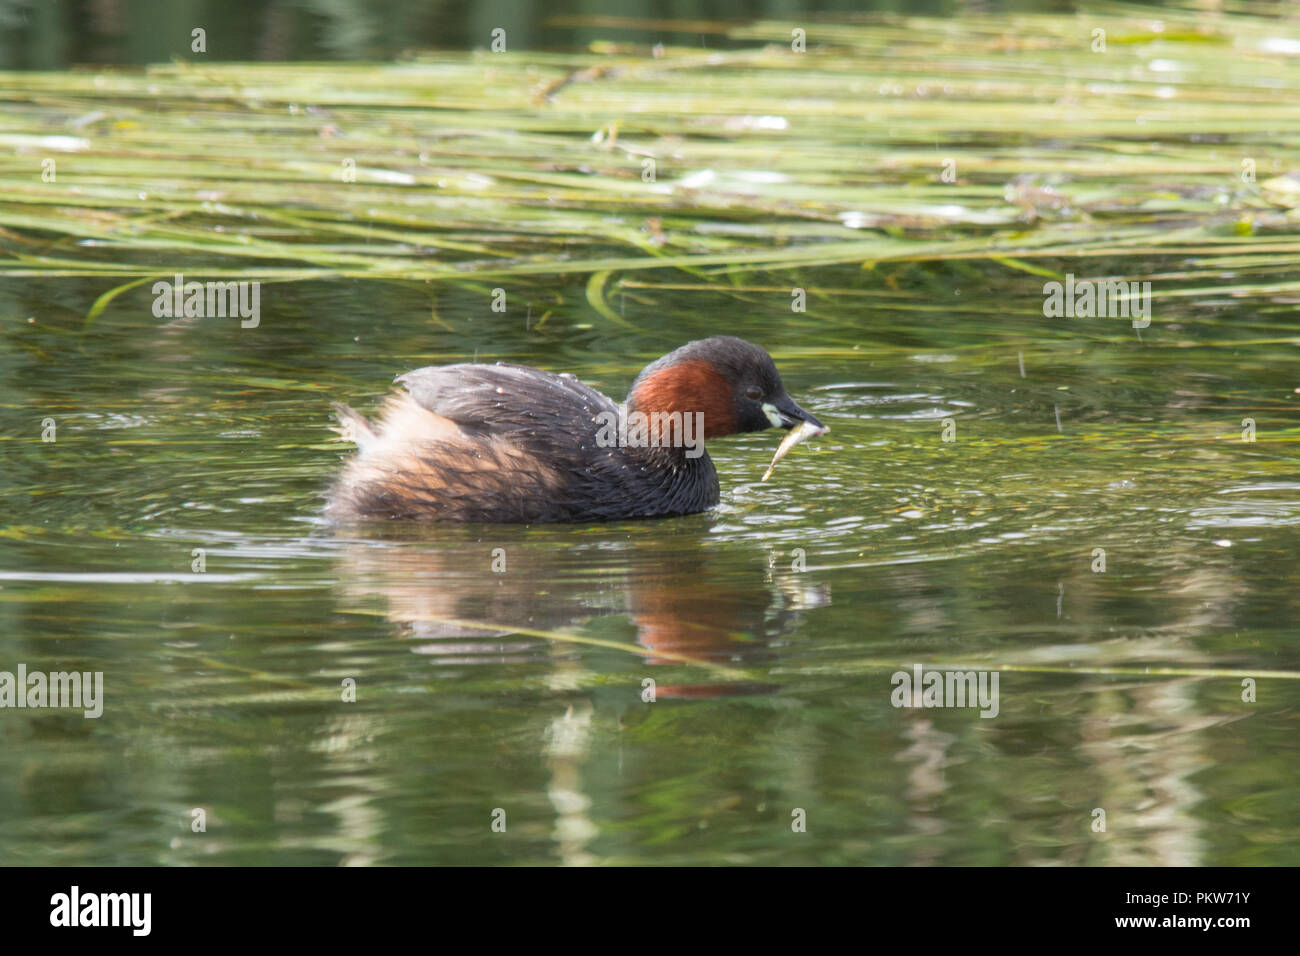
(1250, 512)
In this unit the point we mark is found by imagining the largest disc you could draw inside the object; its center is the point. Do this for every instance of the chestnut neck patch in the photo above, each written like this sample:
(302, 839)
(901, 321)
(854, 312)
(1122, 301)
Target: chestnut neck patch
(693, 385)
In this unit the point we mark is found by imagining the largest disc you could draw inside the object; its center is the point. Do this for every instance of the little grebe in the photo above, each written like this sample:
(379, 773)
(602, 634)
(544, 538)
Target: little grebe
(509, 443)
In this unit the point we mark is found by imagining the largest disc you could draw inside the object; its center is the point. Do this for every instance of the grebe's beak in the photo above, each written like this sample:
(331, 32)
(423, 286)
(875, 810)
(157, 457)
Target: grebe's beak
(784, 413)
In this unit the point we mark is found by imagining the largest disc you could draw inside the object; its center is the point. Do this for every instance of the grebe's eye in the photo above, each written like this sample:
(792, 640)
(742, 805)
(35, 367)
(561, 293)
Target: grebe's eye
(754, 392)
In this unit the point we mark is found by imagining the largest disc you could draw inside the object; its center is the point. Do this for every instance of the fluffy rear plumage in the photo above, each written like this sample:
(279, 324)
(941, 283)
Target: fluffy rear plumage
(506, 443)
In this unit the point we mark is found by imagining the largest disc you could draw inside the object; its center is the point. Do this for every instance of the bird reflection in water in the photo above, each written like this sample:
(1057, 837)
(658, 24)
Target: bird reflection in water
(469, 597)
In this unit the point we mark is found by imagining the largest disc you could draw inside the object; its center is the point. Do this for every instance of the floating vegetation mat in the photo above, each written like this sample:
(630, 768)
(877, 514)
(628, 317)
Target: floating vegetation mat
(1017, 139)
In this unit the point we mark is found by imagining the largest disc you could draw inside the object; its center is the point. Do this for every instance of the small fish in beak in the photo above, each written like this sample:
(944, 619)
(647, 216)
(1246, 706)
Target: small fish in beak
(796, 436)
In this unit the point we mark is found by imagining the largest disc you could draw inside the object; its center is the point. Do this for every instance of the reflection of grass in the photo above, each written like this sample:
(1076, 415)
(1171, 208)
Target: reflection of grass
(869, 666)
(485, 166)
(568, 637)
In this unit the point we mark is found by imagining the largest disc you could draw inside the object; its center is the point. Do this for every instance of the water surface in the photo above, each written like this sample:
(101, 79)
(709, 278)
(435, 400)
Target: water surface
(770, 626)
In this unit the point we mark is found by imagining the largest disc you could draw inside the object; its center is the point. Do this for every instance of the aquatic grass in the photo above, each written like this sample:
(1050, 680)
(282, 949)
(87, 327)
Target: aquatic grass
(479, 166)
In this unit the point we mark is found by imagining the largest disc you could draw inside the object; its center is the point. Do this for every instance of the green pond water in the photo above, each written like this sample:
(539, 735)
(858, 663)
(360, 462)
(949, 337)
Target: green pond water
(770, 626)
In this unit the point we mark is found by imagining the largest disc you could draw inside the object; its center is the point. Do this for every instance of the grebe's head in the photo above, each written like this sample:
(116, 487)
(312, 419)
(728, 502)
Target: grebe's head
(733, 383)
